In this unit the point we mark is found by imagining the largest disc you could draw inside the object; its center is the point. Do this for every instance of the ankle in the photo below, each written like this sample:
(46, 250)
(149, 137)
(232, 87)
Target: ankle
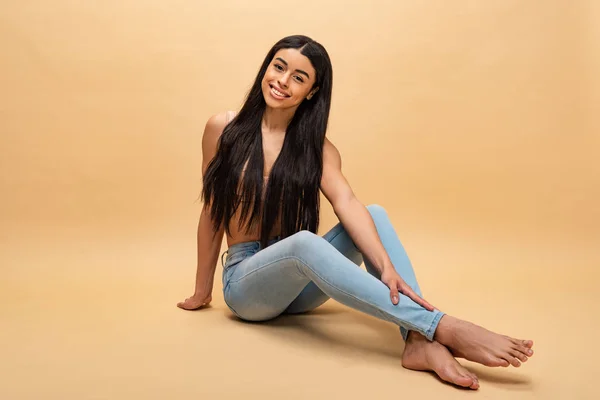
(411, 336)
(444, 331)
(414, 337)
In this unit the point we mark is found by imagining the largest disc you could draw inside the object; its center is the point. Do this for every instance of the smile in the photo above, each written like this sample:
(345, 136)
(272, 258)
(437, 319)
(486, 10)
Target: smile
(277, 94)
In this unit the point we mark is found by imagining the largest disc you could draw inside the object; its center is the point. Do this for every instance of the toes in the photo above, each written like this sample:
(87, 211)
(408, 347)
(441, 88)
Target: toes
(522, 343)
(454, 374)
(525, 350)
(522, 346)
(501, 363)
(516, 353)
(496, 362)
(475, 384)
(513, 361)
(527, 343)
(463, 380)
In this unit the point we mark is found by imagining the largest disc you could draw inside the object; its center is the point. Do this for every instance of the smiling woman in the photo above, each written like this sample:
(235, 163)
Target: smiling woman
(276, 263)
(279, 133)
(288, 82)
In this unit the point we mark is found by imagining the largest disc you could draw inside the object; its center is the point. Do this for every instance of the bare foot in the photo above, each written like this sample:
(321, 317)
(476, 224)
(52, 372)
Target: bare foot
(475, 343)
(423, 355)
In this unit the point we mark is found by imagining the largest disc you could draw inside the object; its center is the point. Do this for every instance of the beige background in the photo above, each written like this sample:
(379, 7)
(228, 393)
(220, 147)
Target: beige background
(474, 123)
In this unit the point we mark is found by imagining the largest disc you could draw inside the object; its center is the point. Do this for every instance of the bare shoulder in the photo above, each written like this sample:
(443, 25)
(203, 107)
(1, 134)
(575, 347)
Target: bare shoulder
(212, 132)
(331, 155)
(216, 123)
(215, 126)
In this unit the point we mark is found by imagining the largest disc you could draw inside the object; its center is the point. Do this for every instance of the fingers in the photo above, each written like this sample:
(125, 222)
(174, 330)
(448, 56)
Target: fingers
(394, 292)
(414, 297)
(423, 302)
(188, 305)
(396, 287)
(183, 305)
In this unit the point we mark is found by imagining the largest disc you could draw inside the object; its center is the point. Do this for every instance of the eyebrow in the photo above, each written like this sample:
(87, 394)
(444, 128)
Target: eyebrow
(298, 70)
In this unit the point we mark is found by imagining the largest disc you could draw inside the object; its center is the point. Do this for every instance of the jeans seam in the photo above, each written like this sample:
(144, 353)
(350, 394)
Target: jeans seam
(341, 230)
(329, 284)
(227, 303)
(431, 331)
(261, 268)
(348, 294)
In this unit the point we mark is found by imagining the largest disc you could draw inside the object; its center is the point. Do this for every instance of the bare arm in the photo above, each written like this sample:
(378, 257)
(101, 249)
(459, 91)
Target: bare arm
(357, 221)
(208, 245)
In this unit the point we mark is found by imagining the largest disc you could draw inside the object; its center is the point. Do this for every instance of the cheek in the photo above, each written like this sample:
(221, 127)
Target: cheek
(265, 86)
(266, 78)
(269, 76)
(301, 93)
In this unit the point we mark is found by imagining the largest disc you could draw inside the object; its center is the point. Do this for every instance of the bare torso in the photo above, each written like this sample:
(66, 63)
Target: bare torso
(272, 144)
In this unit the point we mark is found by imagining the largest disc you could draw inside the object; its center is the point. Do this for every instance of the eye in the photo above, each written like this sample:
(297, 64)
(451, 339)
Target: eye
(299, 78)
(278, 67)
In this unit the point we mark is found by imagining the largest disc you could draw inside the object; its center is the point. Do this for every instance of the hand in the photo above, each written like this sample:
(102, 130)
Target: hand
(396, 284)
(195, 302)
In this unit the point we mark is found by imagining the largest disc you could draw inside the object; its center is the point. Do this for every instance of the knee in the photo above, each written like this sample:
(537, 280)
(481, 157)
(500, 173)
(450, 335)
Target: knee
(304, 241)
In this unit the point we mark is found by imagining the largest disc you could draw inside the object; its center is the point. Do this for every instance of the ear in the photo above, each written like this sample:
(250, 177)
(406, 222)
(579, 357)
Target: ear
(312, 93)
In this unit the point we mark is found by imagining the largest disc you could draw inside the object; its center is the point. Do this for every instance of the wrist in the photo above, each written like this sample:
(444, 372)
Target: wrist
(204, 284)
(203, 290)
(387, 266)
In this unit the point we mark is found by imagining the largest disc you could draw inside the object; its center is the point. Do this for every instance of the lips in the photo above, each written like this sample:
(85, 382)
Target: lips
(278, 92)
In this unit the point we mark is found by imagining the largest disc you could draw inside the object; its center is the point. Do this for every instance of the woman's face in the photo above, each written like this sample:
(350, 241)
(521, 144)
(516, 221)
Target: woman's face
(289, 79)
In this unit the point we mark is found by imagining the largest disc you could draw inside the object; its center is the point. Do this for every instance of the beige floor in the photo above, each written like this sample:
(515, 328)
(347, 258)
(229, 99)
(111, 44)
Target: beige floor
(474, 123)
(88, 316)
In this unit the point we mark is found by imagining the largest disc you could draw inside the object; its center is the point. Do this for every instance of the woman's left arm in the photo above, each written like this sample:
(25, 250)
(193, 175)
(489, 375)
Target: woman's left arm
(357, 221)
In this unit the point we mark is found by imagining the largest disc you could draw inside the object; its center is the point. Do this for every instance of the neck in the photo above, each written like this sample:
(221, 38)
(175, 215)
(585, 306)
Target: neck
(277, 120)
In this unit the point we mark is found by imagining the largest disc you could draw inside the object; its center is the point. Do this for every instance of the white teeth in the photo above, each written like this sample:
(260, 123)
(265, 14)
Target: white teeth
(278, 93)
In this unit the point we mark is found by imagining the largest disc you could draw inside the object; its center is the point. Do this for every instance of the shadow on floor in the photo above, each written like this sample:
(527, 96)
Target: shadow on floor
(348, 333)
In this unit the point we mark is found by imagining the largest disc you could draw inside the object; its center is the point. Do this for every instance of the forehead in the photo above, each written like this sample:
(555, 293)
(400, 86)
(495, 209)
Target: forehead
(296, 60)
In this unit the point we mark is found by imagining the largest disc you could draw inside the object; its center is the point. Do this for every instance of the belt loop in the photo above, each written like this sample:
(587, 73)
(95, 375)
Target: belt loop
(222, 255)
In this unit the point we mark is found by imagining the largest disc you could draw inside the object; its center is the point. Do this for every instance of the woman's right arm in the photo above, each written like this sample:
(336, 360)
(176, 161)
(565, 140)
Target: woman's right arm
(208, 245)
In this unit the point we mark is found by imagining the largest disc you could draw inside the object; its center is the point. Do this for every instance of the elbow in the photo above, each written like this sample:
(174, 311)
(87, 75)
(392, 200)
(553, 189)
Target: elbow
(343, 204)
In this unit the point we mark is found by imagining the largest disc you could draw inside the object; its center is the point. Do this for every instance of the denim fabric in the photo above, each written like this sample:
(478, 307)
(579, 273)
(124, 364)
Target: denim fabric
(301, 272)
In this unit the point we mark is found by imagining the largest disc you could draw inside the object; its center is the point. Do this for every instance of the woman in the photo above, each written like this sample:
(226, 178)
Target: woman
(263, 169)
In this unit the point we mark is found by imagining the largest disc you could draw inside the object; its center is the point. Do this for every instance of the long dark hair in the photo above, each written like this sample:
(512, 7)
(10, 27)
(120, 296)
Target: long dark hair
(295, 178)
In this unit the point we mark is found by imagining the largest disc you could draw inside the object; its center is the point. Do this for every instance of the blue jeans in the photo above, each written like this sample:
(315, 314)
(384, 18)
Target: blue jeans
(301, 272)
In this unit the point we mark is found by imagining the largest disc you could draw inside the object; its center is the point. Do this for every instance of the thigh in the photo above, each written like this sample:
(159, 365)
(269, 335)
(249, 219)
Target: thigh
(311, 296)
(263, 285)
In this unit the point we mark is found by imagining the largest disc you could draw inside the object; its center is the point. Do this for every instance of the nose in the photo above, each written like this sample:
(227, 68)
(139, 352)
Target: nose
(283, 80)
